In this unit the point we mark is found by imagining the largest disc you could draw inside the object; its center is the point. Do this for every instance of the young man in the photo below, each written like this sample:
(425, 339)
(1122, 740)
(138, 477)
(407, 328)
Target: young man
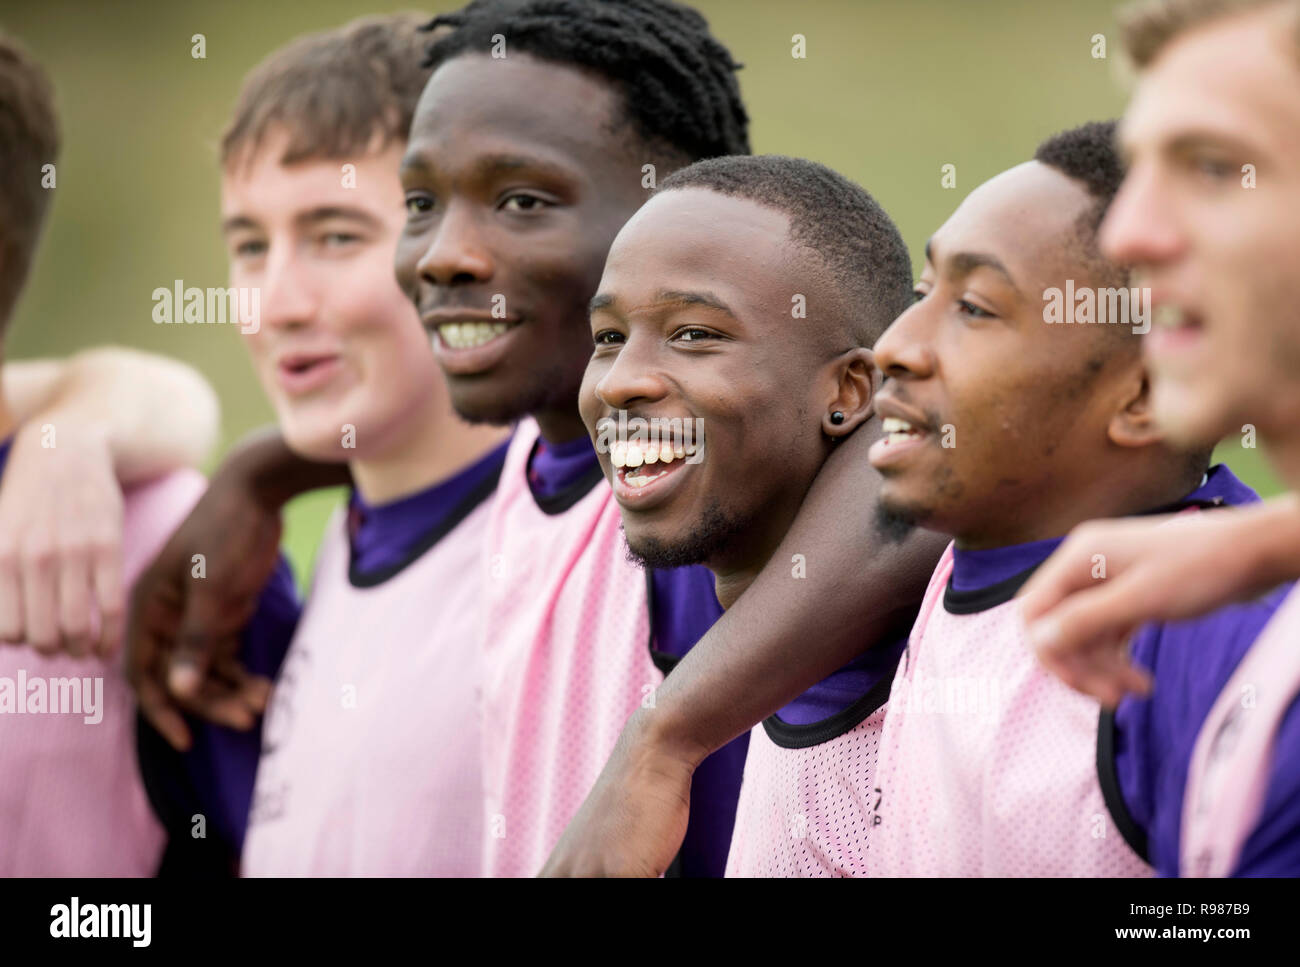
(1218, 258)
(72, 803)
(1006, 430)
(513, 204)
(692, 326)
(369, 759)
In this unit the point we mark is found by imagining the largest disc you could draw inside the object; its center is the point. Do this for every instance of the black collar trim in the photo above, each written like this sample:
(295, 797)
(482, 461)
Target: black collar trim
(789, 736)
(1108, 778)
(469, 503)
(982, 599)
(562, 500)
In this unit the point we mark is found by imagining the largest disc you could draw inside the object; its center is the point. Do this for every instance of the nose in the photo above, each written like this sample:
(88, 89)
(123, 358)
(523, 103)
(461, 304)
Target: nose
(1140, 228)
(904, 351)
(457, 253)
(289, 297)
(633, 377)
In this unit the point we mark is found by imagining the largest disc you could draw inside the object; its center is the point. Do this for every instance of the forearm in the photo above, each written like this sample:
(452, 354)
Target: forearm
(858, 591)
(1270, 534)
(154, 414)
(273, 474)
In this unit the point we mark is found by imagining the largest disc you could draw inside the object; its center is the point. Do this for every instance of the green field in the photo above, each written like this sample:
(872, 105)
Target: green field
(890, 91)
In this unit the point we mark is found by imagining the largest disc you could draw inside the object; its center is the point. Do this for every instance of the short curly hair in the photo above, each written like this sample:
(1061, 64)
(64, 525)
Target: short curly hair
(835, 219)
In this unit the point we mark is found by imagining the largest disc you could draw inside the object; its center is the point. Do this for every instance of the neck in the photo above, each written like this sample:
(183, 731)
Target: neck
(1283, 451)
(561, 425)
(435, 448)
(1103, 497)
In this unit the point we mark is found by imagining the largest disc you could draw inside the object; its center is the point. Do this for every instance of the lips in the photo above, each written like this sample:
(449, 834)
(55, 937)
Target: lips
(905, 430)
(468, 344)
(299, 373)
(1175, 330)
(646, 473)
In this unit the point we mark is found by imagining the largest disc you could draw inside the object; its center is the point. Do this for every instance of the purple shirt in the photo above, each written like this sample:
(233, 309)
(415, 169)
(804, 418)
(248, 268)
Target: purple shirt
(1144, 749)
(216, 776)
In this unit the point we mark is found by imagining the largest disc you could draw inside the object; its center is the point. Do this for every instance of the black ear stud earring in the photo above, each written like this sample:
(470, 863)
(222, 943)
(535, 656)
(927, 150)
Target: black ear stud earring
(837, 417)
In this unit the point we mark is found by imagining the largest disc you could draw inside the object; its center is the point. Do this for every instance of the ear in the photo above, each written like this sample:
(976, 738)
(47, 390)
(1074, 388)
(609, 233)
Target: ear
(854, 381)
(1133, 424)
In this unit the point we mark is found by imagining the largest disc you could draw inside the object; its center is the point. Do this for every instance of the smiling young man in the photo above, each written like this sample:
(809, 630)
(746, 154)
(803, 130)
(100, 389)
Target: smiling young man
(369, 756)
(1006, 431)
(512, 205)
(1213, 140)
(513, 202)
(692, 323)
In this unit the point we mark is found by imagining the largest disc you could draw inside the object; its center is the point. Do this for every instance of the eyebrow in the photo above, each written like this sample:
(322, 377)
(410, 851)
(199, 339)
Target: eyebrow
(668, 297)
(964, 263)
(494, 164)
(314, 216)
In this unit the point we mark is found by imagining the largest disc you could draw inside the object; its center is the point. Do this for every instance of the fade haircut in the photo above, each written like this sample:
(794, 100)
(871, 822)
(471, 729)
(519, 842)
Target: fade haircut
(837, 220)
(1148, 27)
(676, 81)
(1088, 154)
(339, 93)
(29, 140)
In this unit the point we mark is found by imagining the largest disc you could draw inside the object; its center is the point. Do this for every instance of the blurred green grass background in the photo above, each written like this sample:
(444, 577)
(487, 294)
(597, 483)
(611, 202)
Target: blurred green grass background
(889, 92)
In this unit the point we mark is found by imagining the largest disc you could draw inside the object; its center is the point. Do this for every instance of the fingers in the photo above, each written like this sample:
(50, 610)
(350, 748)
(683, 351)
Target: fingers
(110, 598)
(159, 711)
(11, 597)
(1067, 571)
(74, 600)
(40, 598)
(196, 643)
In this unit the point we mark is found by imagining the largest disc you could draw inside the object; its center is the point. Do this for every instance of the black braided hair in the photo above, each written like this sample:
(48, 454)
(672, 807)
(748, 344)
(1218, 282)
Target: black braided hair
(677, 81)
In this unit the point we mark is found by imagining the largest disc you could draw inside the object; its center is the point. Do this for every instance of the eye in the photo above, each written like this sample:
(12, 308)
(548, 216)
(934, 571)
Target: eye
(520, 202)
(693, 334)
(418, 204)
(250, 249)
(609, 337)
(1212, 168)
(339, 239)
(917, 295)
(972, 310)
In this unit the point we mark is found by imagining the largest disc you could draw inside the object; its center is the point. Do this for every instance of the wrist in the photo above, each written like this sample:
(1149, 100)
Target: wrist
(659, 732)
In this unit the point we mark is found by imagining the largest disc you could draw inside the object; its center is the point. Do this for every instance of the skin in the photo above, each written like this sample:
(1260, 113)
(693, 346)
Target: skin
(1217, 97)
(520, 198)
(1052, 423)
(321, 254)
(692, 320)
(1202, 241)
(61, 505)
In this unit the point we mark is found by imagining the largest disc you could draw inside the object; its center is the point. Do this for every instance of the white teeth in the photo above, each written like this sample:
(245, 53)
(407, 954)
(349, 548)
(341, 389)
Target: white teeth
(666, 453)
(634, 457)
(678, 451)
(651, 455)
(618, 454)
(691, 450)
(1167, 316)
(892, 424)
(467, 335)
